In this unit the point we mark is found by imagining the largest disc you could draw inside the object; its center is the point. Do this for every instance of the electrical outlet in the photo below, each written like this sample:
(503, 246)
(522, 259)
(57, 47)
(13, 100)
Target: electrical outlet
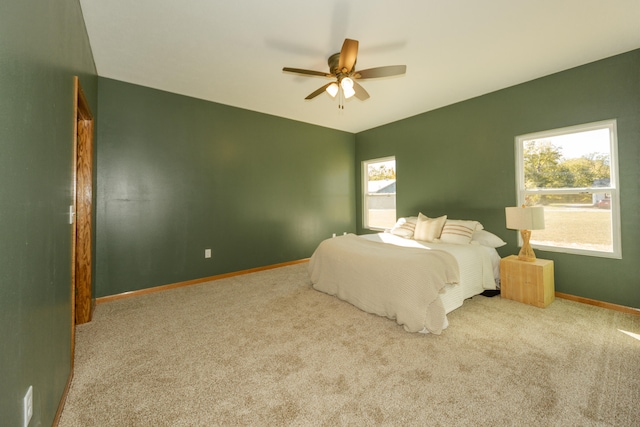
(27, 403)
(207, 253)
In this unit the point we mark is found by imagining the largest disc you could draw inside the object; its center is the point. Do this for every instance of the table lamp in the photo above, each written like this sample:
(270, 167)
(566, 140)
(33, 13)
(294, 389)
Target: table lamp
(525, 219)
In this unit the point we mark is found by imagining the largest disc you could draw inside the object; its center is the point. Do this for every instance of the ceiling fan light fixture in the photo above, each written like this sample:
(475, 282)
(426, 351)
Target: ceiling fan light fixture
(348, 92)
(346, 83)
(332, 89)
(343, 74)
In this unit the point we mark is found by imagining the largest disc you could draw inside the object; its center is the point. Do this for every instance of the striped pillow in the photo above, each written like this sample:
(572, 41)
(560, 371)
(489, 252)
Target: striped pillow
(405, 227)
(428, 229)
(457, 231)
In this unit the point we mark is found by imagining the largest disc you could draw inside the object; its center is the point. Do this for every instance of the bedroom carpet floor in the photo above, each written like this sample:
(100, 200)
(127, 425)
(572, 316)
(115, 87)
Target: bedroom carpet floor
(265, 349)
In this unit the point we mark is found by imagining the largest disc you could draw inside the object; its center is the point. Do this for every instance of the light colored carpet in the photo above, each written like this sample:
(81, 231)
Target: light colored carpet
(265, 349)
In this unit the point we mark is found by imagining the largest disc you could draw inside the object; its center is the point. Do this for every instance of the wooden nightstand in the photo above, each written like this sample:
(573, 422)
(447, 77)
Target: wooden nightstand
(527, 282)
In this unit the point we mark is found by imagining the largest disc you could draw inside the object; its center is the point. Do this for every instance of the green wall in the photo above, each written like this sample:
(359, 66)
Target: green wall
(42, 46)
(459, 160)
(177, 175)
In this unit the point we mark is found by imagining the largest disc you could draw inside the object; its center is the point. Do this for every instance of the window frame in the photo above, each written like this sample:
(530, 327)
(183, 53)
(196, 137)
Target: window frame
(613, 189)
(365, 190)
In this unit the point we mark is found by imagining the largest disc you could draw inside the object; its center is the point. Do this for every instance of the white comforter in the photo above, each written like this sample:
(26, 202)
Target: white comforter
(396, 282)
(479, 266)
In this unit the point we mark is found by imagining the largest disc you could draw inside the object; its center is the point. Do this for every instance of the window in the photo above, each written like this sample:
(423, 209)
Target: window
(573, 173)
(379, 189)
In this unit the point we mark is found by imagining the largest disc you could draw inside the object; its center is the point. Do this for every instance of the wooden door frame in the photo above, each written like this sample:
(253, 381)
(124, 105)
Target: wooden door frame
(82, 118)
(81, 256)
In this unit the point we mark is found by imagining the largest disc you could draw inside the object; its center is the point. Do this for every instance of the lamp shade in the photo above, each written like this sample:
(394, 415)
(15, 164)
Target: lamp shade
(525, 218)
(332, 89)
(347, 87)
(348, 92)
(346, 83)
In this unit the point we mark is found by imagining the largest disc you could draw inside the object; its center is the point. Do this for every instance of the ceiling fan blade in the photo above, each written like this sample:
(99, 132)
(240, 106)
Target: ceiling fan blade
(361, 94)
(318, 91)
(388, 71)
(306, 72)
(348, 55)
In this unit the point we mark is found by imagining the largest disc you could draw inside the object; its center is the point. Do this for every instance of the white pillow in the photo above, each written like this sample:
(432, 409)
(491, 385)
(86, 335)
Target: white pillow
(458, 231)
(428, 229)
(405, 227)
(485, 238)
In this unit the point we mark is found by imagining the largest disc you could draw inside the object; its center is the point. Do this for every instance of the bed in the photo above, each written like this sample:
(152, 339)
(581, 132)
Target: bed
(414, 282)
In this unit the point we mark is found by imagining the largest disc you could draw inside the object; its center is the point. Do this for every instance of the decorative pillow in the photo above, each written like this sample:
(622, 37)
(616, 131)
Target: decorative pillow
(405, 227)
(458, 231)
(485, 238)
(428, 229)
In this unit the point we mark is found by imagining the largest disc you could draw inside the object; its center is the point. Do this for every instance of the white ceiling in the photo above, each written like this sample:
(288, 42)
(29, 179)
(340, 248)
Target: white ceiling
(232, 52)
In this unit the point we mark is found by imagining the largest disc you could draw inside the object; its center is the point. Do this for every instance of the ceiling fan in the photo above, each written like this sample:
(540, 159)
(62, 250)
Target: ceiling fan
(342, 69)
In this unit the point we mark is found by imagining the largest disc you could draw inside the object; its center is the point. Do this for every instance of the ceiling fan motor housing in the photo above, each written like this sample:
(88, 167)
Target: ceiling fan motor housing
(333, 62)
